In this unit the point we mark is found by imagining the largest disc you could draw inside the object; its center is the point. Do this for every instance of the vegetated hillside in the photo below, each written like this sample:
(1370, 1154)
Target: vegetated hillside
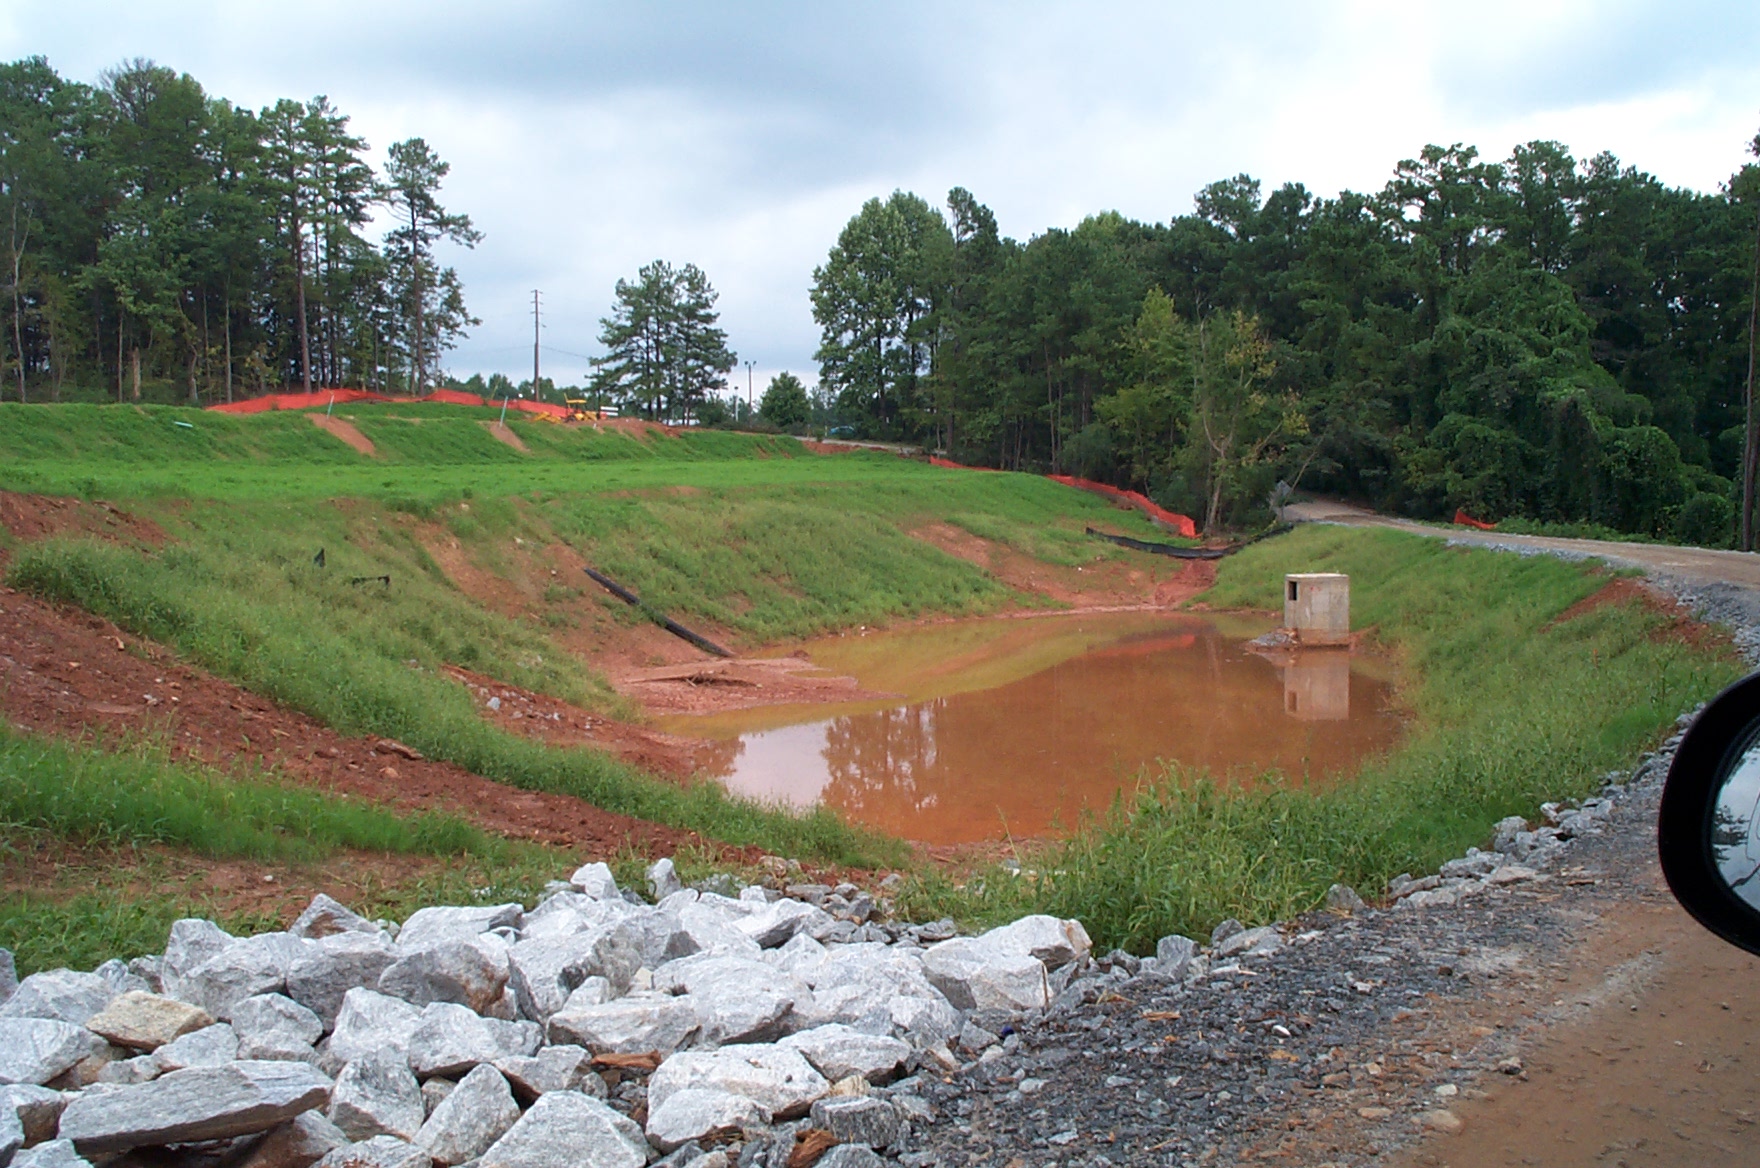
(1519, 693)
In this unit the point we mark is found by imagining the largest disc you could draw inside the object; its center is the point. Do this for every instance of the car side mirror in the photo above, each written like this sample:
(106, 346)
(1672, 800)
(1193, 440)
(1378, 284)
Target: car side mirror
(1708, 828)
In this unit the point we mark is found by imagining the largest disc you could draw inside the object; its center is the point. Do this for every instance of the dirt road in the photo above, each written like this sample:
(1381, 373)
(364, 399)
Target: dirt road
(1653, 1060)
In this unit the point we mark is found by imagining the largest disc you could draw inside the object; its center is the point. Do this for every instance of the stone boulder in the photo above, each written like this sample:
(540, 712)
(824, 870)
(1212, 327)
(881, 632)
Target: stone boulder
(476, 1114)
(325, 917)
(838, 1051)
(780, 922)
(211, 1046)
(859, 1119)
(1258, 942)
(187, 1106)
(319, 978)
(370, 1021)
(1054, 942)
(640, 1022)
(144, 1021)
(776, 1078)
(696, 1113)
(663, 880)
(563, 1130)
(545, 972)
(975, 974)
(596, 881)
(376, 1095)
(38, 1109)
(35, 1050)
(470, 973)
(273, 1026)
(432, 926)
(52, 1154)
(562, 1067)
(60, 995)
(247, 967)
(450, 1039)
(192, 941)
(738, 1000)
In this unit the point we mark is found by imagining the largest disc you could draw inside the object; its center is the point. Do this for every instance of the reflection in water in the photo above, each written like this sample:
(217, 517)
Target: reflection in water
(1735, 833)
(1317, 686)
(1049, 735)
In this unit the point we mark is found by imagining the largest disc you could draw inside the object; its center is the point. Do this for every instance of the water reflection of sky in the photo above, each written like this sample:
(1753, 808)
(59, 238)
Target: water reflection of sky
(1735, 843)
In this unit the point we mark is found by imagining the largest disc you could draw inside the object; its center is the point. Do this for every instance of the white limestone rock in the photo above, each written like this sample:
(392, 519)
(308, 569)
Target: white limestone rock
(432, 926)
(1250, 943)
(325, 917)
(777, 1078)
(376, 1095)
(129, 1071)
(335, 964)
(777, 923)
(1054, 942)
(838, 1051)
(144, 1021)
(859, 1119)
(51, 1154)
(35, 1050)
(663, 880)
(738, 999)
(191, 943)
(11, 1136)
(273, 1026)
(566, 1130)
(562, 1067)
(450, 1039)
(204, 1103)
(476, 1114)
(370, 1021)
(8, 975)
(632, 1025)
(975, 974)
(545, 972)
(61, 995)
(38, 1109)
(695, 1113)
(471, 973)
(247, 967)
(596, 881)
(211, 1046)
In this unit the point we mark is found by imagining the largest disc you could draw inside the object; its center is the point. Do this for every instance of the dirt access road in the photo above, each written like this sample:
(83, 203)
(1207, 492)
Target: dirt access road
(1654, 1060)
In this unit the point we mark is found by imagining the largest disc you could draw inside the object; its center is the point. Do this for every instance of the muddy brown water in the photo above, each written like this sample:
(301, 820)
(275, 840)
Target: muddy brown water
(1012, 728)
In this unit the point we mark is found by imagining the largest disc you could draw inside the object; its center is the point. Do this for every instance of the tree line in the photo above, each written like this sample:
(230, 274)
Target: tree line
(1541, 338)
(152, 231)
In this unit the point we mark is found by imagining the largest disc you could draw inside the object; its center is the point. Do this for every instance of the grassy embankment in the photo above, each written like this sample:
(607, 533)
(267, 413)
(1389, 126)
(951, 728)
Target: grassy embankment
(125, 804)
(767, 542)
(1510, 707)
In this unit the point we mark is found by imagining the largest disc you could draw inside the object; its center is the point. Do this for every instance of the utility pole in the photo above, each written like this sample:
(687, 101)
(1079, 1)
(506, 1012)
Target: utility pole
(749, 365)
(535, 327)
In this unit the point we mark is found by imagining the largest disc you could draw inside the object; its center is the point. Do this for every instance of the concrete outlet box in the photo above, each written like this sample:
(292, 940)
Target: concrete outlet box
(1317, 607)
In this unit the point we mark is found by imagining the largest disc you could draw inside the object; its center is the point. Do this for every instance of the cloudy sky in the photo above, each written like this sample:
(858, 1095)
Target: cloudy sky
(587, 138)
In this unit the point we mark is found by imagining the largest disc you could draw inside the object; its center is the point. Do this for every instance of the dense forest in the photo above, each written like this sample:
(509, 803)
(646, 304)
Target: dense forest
(1541, 339)
(151, 231)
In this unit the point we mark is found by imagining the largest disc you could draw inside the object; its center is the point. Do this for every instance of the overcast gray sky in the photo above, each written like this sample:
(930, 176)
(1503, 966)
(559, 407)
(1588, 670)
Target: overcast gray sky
(588, 138)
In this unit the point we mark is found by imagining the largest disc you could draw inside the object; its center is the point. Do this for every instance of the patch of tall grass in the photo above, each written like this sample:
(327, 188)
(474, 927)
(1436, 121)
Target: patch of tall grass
(138, 796)
(1510, 707)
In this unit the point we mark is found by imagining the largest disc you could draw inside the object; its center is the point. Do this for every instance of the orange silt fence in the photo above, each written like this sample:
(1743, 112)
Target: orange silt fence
(1160, 516)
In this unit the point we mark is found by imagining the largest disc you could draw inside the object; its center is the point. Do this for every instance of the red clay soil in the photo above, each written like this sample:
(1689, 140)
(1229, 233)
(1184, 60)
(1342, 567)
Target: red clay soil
(32, 517)
(1678, 623)
(65, 672)
(345, 430)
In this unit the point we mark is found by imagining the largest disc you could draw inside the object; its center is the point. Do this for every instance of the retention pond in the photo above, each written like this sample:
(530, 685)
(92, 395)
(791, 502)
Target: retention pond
(1014, 727)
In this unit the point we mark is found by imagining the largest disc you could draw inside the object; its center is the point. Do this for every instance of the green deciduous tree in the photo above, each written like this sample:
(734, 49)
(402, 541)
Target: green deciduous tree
(785, 403)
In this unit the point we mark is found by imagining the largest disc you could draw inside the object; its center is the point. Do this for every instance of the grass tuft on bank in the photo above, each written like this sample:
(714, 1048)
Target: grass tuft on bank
(1510, 707)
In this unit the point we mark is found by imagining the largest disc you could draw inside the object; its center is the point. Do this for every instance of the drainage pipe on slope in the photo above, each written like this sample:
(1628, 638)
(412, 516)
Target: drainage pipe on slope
(665, 622)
